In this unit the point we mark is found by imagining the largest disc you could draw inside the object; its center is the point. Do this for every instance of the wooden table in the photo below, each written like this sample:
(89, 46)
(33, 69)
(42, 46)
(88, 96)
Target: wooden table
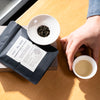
(60, 84)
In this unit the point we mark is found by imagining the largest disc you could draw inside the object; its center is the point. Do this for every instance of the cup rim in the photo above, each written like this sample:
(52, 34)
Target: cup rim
(89, 59)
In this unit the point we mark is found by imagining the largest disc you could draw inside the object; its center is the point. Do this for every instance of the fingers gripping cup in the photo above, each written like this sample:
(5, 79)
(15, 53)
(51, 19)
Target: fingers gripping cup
(84, 67)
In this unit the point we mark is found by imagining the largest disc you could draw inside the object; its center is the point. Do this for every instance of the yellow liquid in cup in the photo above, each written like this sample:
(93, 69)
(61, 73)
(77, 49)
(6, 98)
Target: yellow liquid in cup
(83, 68)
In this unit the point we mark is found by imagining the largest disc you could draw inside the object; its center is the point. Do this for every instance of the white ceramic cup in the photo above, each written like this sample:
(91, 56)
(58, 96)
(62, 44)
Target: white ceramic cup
(91, 61)
(48, 21)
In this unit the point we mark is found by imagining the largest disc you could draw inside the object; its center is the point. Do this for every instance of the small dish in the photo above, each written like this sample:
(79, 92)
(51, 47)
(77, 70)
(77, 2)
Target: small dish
(45, 20)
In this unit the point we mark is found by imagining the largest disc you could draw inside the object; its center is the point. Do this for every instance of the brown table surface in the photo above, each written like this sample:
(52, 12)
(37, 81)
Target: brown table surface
(60, 84)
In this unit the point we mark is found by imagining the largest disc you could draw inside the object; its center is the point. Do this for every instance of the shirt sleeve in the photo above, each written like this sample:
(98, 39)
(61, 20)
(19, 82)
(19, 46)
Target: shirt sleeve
(94, 8)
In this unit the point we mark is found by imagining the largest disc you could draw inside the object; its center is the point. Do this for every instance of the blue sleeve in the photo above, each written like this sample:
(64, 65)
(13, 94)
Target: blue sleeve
(94, 8)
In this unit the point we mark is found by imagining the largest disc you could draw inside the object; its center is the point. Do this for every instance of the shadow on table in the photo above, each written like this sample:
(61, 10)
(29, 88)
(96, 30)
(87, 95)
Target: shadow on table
(55, 85)
(91, 87)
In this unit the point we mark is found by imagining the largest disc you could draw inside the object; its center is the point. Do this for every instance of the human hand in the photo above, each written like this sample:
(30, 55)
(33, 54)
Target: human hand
(88, 34)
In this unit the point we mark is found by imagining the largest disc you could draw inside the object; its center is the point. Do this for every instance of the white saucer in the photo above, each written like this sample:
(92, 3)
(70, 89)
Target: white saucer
(48, 21)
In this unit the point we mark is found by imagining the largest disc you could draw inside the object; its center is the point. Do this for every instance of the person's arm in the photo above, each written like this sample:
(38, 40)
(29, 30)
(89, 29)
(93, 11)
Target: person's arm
(88, 34)
(94, 8)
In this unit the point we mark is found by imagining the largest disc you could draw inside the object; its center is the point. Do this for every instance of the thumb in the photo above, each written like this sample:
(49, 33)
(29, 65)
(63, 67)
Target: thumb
(64, 39)
(64, 42)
